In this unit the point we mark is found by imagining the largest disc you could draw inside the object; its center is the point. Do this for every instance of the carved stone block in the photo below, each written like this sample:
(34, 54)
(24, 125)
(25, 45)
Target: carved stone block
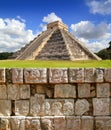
(103, 90)
(76, 75)
(21, 107)
(2, 75)
(37, 105)
(58, 75)
(59, 107)
(13, 91)
(24, 91)
(101, 106)
(3, 92)
(35, 75)
(89, 75)
(81, 107)
(83, 90)
(5, 108)
(107, 75)
(9, 75)
(65, 91)
(4, 123)
(99, 75)
(87, 123)
(73, 123)
(103, 123)
(60, 123)
(17, 75)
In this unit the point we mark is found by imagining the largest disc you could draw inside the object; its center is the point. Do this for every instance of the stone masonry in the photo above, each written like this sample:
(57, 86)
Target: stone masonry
(55, 99)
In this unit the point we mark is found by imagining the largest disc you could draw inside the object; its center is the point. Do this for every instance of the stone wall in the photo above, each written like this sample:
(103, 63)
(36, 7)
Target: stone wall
(55, 99)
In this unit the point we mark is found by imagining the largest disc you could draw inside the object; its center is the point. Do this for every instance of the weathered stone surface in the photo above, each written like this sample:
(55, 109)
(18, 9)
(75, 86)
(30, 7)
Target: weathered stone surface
(81, 106)
(24, 91)
(103, 123)
(99, 75)
(32, 123)
(2, 75)
(87, 123)
(59, 123)
(17, 123)
(3, 92)
(40, 89)
(65, 91)
(35, 75)
(21, 107)
(4, 123)
(17, 75)
(93, 90)
(101, 106)
(5, 107)
(59, 107)
(107, 75)
(37, 105)
(9, 75)
(58, 75)
(13, 91)
(73, 123)
(47, 123)
(76, 75)
(89, 75)
(103, 90)
(83, 90)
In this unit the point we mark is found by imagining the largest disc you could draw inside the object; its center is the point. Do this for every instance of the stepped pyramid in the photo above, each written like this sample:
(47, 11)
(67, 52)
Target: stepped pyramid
(56, 43)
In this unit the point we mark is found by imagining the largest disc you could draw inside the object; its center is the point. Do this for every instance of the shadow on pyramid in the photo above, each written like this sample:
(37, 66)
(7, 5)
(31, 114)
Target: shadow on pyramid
(56, 43)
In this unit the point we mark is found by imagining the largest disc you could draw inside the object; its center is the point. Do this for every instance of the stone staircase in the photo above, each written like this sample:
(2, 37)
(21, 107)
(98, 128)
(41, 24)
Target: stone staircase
(55, 49)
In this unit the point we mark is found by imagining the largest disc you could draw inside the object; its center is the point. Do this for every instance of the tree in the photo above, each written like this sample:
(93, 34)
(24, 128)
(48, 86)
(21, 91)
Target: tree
(5, 55)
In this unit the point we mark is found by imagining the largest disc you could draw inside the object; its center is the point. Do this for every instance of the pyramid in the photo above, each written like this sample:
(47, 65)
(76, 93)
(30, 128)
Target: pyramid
(56, 43)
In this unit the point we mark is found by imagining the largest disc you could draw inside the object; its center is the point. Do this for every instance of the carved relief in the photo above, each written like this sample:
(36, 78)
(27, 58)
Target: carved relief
(58, 76)
(35, 75)
(2, 75)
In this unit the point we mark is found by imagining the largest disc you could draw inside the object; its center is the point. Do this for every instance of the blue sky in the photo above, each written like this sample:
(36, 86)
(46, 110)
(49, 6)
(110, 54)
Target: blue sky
(22, 20)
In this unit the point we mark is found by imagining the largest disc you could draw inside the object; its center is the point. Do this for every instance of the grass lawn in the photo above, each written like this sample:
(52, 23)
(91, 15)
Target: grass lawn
(54, 64)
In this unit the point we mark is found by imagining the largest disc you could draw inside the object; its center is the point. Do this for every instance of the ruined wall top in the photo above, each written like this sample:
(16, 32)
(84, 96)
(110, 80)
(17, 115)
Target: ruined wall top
(57, 24)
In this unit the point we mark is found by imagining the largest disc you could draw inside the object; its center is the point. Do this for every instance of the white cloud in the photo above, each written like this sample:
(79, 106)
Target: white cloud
(51, 18)
(96, 37)
(100, 6)
(13, 34)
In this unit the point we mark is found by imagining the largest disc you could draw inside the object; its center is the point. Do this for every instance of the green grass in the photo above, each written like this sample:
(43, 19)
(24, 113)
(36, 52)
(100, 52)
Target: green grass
(54, 64)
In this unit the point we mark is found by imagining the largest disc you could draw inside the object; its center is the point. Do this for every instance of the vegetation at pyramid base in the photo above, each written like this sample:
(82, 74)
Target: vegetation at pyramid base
(54, 64)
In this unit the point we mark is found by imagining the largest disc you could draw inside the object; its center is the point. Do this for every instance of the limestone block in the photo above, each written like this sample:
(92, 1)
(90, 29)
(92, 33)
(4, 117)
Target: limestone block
(107, 75)
(103, 123)
(17, 75)
(32, 123)
(5, 108)
(83, 90)
(9, 75)
(87, 123)
(73, 123)
(21, 107)
(76, 75)
(60, 123)
(17, 123)
(65, 91)
(58, 75)
(89, 75)
(37, 105)
(35, 75)
(13, 91)
(59, 107)
(99, 75)
(3, 92)
(24, 91)
(47, 123)
(101, 106)
(4, 123)
(103, 90)
(2, 75)
(40, 89)
(81, 106)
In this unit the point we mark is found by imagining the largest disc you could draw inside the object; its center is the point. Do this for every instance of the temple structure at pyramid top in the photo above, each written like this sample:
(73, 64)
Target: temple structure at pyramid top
(56, 43)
